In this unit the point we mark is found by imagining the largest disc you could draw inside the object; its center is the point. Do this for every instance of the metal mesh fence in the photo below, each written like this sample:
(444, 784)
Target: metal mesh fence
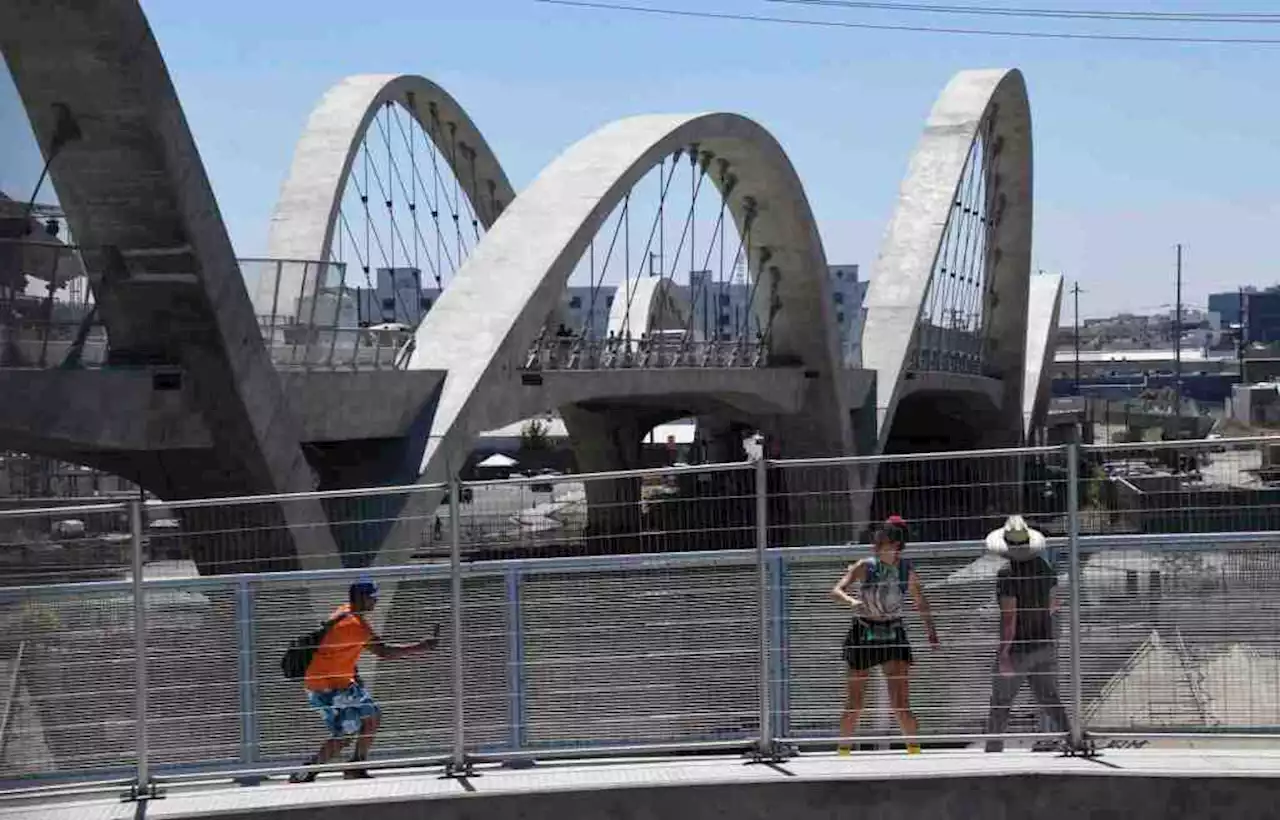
(1169, 487)
(329, 530)
(64, 544)
(1181, 637)
(650, 511)
(68, 651)
(193, 694)
(944, 497)
(624, 610)
(658, 655)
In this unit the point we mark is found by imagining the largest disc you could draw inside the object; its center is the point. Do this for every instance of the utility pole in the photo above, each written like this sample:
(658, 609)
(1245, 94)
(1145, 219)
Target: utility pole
(1177, 341)
(1075, 290)
(1240, 334)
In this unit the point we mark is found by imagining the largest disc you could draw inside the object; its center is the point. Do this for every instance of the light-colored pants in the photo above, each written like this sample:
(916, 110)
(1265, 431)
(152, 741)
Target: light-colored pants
(1040, 668)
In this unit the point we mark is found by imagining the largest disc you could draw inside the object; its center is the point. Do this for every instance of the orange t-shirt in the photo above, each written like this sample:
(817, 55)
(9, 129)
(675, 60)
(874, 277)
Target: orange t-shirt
(333, 666)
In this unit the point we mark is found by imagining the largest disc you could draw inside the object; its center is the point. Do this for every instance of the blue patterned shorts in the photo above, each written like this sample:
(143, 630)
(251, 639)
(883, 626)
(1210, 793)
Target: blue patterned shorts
(344, 709)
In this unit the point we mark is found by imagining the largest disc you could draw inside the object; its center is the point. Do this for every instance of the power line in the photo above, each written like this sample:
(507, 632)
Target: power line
(1252, 17)
(845, 24)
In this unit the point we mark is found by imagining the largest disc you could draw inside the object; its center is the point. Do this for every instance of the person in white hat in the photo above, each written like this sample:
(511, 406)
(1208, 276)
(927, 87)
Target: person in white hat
(1028, 650)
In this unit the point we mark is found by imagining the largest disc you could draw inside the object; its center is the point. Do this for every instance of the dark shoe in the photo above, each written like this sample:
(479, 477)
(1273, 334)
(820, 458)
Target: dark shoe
(357, 774)
(305, 777)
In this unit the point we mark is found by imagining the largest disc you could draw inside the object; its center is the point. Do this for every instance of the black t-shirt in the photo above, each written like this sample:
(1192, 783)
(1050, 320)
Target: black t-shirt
(1031, 583)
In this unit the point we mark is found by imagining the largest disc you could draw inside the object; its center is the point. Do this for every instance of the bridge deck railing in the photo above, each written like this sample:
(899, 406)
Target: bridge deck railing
(581, 353)
(947, 350)
(696, 615)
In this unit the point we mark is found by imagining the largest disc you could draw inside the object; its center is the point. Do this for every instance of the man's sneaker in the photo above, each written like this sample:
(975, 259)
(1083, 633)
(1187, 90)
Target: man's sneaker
(913, 748)
(357, 774)
(304, 777)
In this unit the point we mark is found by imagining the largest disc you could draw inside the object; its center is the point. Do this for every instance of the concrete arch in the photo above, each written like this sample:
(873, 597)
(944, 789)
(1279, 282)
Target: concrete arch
(1043, 308)
(304, 220)
(497, 303)
(480, 329)
(909, 250)
(165, 276)
(652, 303)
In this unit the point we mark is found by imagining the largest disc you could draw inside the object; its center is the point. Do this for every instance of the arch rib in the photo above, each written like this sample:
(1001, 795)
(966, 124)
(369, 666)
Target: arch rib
(305, 217)
(909, 251)
(481, 328)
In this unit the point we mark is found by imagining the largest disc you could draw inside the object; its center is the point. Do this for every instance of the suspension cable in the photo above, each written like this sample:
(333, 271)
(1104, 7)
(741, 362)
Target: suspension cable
(665, 187)
(686, 230)
(717, 237)
(595, 286)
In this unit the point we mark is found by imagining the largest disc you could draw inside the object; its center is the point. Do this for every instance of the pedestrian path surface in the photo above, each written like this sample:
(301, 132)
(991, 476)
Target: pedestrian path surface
(392, 786)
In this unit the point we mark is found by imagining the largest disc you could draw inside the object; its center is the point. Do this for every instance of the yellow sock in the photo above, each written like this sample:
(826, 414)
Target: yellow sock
(913, 748)
(842, 751)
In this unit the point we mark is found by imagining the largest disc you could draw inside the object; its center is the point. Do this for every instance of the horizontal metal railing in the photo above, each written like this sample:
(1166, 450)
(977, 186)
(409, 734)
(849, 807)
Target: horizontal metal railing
(728, 640)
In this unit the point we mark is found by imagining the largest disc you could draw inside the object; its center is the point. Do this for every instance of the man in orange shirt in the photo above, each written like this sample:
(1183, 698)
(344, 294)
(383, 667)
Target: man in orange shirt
(334, 686)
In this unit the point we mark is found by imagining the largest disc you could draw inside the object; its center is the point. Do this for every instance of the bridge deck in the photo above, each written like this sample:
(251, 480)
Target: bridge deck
(961, 768)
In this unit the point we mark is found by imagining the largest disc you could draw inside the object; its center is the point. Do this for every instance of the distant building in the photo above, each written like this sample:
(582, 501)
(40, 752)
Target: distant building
(1226, 306)
(1262, 317)
(1256, 313)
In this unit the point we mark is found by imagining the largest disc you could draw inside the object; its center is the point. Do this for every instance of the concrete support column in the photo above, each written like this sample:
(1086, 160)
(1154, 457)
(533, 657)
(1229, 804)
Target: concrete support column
(604, 440)
(814, 503)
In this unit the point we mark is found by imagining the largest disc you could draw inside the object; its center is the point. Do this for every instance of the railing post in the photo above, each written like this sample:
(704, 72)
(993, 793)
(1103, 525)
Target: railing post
(765, 747)
(337, 312)
(275, 305)
(781, 673)
(458, 760)
(142, 786)
(515, 659)
(1074, 575)
(247, 674)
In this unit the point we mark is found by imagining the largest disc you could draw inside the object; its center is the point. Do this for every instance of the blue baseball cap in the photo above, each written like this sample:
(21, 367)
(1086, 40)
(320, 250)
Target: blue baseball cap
(365, 586)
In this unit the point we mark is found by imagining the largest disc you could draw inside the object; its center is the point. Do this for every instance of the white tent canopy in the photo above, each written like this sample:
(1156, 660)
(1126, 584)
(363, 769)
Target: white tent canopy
(497, 460)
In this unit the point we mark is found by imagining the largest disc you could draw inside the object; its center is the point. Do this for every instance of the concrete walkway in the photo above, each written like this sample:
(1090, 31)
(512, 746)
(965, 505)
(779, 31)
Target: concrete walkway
(1132, 783)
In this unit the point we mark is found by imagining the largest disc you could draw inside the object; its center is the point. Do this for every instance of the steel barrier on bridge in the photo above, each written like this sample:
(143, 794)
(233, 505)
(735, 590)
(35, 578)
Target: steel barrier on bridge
(576, 352)
(613, 645)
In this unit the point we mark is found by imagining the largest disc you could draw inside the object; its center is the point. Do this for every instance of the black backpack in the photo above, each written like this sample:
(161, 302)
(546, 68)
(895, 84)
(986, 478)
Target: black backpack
(302, 649)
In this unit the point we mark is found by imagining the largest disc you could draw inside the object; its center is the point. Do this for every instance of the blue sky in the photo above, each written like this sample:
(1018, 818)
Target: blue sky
(1138, 145)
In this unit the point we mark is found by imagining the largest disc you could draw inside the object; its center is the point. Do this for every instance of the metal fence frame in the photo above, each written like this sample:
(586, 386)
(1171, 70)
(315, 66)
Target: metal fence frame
(771, 565)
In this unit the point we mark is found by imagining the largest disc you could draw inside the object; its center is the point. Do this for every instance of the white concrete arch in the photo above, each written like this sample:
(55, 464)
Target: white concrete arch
(304, 221)
(1043, 307)
(649, 303)
(908, 253)
(480, 330)
(132, 180)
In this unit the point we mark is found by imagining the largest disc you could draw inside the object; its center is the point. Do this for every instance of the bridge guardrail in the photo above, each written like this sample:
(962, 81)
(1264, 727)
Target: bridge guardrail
(589, 651)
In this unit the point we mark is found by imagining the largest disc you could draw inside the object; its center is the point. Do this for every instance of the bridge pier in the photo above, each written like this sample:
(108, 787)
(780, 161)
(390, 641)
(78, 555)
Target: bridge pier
(606, 439)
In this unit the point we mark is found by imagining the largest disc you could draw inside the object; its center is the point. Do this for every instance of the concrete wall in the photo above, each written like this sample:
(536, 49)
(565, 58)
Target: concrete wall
(1044, 797)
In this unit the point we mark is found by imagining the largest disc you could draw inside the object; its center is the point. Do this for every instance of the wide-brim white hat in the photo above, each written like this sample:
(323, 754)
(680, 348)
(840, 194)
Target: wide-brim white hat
(1015, 540)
